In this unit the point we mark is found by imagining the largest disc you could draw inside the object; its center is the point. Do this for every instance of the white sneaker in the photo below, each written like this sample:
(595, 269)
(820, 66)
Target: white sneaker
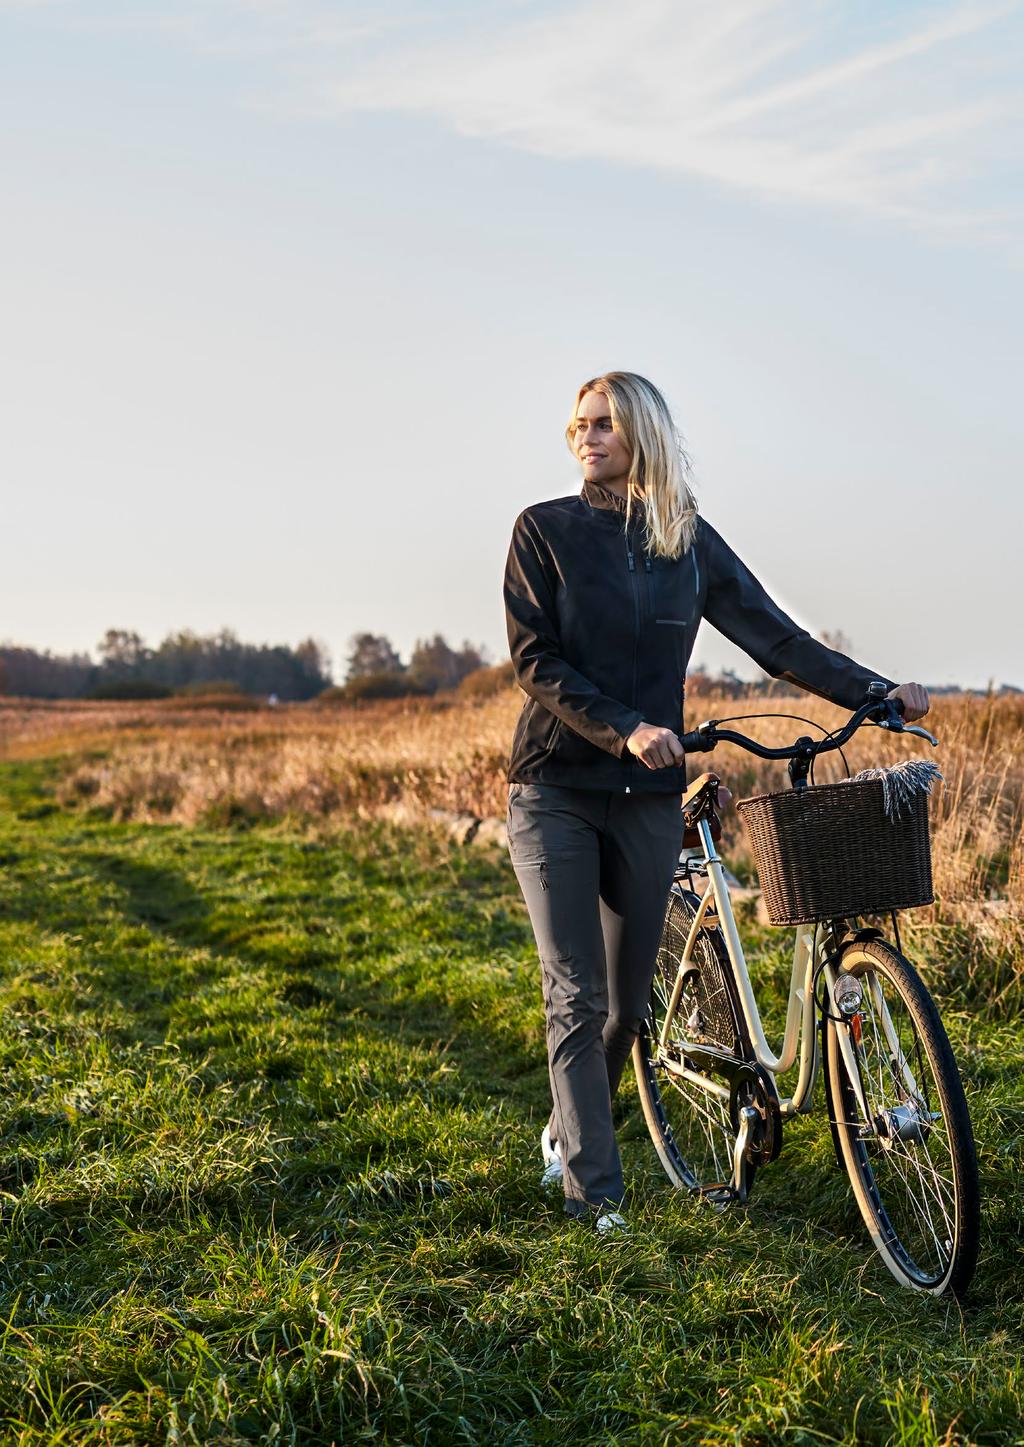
(552, 1154)
(611, 1223)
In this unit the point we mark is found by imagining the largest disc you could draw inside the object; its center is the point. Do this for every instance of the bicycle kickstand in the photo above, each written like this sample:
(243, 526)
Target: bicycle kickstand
(724, 1193)
(748, 1119)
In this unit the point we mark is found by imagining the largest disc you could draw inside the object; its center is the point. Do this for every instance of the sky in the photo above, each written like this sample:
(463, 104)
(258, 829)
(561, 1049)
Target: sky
(296, 298)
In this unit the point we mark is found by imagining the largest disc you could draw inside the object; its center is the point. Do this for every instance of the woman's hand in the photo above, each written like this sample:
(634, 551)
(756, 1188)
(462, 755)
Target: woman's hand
(659, 748)
(656, 747)
(915, 700)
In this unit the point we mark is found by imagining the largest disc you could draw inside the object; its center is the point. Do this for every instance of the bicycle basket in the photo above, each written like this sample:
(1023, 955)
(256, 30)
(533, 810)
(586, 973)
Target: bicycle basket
(829, 851)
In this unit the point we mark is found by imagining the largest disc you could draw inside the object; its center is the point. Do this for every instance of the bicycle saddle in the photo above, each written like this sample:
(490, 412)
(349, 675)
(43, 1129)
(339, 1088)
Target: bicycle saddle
(699, 803)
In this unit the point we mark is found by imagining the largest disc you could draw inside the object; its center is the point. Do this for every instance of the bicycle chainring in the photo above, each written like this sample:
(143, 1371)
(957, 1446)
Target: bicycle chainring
(753, 1085)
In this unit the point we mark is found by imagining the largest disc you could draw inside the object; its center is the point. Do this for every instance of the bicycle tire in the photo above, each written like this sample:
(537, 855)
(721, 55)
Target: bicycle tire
(693, 1131)
(915, 1181)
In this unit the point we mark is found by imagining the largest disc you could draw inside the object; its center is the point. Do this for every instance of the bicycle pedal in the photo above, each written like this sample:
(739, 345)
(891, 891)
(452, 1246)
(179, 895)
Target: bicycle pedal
(719, 1194)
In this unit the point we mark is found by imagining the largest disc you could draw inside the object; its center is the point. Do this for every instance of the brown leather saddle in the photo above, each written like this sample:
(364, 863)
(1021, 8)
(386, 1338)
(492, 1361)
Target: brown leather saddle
(700, 802)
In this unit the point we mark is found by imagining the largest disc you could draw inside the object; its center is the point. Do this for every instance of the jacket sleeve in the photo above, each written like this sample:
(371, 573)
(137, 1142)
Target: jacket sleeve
(531, 620)
(739, 607)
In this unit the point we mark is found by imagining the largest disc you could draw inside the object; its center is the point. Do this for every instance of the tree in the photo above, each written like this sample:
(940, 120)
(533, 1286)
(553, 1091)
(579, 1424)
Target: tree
(435, 665)
(371, 653)
(122, 651)
(314, 661)
(471, 657)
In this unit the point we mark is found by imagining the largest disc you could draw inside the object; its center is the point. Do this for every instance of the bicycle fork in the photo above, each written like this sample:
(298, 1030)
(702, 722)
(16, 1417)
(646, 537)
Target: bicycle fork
(904, 1122)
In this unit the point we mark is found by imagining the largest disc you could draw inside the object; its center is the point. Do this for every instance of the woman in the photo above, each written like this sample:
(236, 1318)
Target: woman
(604, 592)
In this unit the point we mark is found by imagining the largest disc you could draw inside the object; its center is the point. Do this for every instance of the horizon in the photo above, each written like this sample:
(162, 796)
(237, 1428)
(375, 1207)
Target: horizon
(336, 666)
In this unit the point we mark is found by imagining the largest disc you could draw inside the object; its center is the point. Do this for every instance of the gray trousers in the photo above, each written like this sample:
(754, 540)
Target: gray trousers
(595, 867)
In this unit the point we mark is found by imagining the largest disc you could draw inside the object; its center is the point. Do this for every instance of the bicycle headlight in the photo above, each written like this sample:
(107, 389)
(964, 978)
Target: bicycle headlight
(847, 994)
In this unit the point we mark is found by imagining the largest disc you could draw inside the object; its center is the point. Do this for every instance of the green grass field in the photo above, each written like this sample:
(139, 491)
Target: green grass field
(269, 1174)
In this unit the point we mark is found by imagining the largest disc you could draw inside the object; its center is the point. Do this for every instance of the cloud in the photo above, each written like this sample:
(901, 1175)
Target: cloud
(774, 97)
(909, 113)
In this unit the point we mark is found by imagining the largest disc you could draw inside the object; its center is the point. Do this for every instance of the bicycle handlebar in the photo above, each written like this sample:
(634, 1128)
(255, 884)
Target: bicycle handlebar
(886, 713)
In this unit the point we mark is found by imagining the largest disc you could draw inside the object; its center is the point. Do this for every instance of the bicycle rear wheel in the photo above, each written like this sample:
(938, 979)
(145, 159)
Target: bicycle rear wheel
(690, 1109)
(910, 1155)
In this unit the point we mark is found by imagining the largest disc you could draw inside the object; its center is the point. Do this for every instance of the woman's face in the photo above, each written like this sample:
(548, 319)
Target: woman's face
(604, 455)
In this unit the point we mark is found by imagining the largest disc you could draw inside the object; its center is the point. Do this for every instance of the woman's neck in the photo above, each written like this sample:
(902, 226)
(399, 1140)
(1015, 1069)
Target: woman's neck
(617, 486)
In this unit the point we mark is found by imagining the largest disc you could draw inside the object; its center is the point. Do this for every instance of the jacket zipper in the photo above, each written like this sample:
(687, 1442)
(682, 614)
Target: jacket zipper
(634, 581)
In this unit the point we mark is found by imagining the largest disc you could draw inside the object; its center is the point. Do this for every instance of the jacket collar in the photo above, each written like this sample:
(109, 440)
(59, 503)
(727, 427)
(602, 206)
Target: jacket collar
(600, 497)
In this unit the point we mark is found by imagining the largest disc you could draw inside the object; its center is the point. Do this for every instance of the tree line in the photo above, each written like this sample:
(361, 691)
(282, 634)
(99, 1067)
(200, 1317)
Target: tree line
(186, 662)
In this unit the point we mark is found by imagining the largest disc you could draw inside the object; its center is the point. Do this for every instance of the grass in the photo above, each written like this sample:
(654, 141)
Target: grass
(269, 1174)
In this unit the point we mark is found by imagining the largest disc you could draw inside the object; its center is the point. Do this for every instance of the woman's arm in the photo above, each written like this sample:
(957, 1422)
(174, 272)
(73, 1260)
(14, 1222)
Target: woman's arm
(534, 645)
(739, 607)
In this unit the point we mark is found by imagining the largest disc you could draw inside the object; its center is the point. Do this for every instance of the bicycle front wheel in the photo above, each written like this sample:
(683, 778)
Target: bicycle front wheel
(905, 1135)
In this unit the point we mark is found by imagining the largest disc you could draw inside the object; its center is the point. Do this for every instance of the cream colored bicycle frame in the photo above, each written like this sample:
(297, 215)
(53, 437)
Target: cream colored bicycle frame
(813, 944)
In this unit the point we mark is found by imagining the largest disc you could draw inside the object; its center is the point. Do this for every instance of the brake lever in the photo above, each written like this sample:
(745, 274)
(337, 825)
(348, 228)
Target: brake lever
(902, 728)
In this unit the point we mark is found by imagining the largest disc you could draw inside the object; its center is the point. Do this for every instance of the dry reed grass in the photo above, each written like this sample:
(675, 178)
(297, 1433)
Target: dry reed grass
(178, 761)
(308, 761)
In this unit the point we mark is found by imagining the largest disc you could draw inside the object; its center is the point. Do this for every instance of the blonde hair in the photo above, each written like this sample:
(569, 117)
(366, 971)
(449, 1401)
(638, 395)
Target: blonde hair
(659, 474)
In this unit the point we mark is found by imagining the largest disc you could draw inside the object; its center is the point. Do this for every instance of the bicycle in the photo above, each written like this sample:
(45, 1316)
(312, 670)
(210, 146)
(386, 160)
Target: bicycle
(708, 1078)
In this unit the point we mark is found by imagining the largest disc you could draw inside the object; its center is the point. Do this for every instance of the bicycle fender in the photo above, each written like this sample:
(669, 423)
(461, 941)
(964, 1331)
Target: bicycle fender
(823, 1057)
(859, 937)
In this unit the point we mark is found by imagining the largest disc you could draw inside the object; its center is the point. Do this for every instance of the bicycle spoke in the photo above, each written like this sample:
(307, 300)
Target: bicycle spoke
(920, 1207)
(711, 1118)
(934, 1239)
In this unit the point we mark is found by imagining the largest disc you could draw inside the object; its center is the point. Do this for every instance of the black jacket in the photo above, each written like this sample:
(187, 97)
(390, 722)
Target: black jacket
(600, 634)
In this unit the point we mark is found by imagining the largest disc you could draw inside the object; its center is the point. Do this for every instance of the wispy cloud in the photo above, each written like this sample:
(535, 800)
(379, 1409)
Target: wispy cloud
(783, 98)
(910, 112)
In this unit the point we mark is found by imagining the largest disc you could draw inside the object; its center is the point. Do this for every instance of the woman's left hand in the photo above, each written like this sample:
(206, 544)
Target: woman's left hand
(915, 699)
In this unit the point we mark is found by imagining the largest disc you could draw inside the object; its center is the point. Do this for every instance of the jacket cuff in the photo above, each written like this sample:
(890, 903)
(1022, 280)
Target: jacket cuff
(625, 729)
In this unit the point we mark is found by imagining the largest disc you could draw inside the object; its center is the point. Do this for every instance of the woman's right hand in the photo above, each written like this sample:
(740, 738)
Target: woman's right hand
(657, 747)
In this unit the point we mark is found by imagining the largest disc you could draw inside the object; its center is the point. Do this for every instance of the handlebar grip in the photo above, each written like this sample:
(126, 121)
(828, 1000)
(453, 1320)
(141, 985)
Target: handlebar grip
(888, 713)
(696, 742)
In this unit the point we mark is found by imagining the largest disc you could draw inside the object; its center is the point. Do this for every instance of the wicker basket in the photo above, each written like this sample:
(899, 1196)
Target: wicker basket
(828, 851)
